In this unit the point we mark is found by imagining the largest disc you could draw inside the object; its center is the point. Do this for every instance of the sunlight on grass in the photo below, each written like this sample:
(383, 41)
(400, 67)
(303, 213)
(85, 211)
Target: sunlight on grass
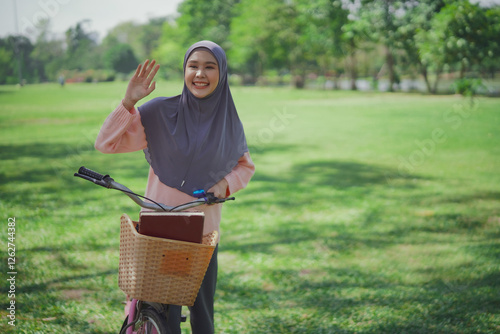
(357, 220)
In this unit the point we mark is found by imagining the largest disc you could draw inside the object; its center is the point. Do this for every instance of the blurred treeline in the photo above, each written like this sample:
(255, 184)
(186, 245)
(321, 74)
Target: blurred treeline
(277, 41)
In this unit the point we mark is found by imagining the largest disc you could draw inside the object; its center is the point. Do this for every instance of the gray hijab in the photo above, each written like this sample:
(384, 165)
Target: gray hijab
(193, 143)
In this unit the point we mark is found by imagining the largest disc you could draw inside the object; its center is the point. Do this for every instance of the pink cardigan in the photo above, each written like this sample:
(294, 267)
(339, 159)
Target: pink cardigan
(123, 132)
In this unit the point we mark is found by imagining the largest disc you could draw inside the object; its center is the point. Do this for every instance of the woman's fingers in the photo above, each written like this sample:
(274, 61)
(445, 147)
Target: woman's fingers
(137, 71)
(152, 73)
(151, 88)
(147, 71)
(147, 67)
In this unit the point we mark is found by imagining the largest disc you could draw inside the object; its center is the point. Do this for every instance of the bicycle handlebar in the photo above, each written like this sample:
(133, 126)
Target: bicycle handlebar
(90, 175)
(107, 182)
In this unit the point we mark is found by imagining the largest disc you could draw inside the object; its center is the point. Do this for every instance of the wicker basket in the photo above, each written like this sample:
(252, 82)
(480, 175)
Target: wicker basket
(162, 270)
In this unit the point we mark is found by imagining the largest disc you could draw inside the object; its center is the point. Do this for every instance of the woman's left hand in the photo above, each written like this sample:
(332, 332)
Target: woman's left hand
(219, 189)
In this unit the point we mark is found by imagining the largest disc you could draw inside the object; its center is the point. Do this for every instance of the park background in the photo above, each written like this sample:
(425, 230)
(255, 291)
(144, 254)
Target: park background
(355, 44)
(374, 126)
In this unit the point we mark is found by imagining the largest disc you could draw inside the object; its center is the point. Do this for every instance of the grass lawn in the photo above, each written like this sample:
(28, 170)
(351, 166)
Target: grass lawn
(368, 213)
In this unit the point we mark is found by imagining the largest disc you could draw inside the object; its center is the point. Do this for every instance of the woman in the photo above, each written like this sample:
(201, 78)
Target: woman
(192, 141)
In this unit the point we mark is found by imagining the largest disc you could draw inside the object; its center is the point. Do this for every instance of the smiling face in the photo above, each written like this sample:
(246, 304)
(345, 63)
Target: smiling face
(202, 73)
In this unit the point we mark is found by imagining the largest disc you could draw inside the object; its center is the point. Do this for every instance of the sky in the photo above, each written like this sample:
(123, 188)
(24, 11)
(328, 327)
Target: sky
(63, 14)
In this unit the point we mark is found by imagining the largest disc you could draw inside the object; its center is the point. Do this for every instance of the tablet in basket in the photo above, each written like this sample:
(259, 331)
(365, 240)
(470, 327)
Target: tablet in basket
(182, 226)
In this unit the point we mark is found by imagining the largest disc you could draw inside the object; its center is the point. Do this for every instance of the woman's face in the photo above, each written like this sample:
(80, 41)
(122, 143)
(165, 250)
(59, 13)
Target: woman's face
(202, 73)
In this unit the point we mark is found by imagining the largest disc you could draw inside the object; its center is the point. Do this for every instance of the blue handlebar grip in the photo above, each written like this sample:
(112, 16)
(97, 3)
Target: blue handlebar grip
(199, 193)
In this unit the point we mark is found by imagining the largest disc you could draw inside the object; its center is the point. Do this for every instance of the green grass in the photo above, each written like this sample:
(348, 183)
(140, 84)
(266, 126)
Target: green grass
(368, 213)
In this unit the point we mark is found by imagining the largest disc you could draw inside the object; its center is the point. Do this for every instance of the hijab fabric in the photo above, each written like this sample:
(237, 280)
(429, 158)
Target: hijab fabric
(193, 143)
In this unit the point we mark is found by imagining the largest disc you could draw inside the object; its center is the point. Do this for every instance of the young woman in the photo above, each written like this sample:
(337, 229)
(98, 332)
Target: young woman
(192, 141)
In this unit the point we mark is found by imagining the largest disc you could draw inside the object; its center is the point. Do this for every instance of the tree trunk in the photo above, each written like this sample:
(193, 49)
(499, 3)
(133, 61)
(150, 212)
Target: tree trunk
(438, 75)
(352, 67)
(353, 71)
(389, 59)
(463, 68)
(423, 70)
(299, 81)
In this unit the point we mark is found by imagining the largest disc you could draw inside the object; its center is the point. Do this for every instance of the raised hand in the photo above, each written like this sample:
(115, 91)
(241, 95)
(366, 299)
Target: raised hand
(140, 84)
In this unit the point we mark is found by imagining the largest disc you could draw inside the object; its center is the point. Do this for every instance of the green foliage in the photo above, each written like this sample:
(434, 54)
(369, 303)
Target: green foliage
(120, 58)
(284, 36)
(142, 38)
(7, 69)
(170, 51)
(150, 35)
(251, 37)
(352, 38)
(468, 33)
(18, 66)
(459, 35)
(319, 41)
(81, 51)
(468, 86)
(205, 19)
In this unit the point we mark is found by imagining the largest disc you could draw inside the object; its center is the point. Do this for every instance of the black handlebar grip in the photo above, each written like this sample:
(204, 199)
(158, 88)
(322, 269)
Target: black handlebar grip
(90, 173)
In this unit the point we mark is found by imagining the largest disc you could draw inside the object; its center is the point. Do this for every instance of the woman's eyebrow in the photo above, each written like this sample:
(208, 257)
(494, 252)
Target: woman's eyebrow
(206, 63)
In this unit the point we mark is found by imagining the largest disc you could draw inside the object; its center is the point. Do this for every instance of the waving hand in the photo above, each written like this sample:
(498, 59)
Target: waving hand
(140, 84)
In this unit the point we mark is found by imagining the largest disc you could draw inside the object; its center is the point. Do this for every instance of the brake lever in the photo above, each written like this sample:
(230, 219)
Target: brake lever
(210, 198)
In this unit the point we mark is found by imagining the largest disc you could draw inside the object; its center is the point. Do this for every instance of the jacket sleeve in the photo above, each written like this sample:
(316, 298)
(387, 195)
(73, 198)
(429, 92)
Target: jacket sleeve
(121, 132)
(241, 174)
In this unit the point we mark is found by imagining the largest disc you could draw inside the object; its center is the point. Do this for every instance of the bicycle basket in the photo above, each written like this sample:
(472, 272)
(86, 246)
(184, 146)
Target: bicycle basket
(162, 270)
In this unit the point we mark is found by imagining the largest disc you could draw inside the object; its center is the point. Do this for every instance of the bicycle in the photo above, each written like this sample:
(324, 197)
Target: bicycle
(152, 316)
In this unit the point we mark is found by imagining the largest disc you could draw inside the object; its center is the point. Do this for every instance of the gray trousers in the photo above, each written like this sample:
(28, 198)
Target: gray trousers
(202, 312)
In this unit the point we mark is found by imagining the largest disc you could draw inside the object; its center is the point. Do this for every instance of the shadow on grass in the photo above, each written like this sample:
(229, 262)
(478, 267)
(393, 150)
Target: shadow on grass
(39, 163)
(38, 187)
(340, 175)
(323, 183)
(434, 304)
(42, 287)
(42, 168)
(58, 303)
(44, 151)
(350, 184)
(375, 302)
(347, 174)
(389, 305)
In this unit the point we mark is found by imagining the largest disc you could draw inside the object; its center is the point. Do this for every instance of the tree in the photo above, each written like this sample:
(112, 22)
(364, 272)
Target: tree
(142, 38)
(7, 66)
(417, 17)
(467, 35)
(170, 50)
(205, 19)
(321, 38)
(269, 35)
(120, 58)
(252, 32)
(21, 48)
(492, 60)
(381, 16)
(355, 32)
(460, 36)
(47, 54)
(81, 49)
(150, 35)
